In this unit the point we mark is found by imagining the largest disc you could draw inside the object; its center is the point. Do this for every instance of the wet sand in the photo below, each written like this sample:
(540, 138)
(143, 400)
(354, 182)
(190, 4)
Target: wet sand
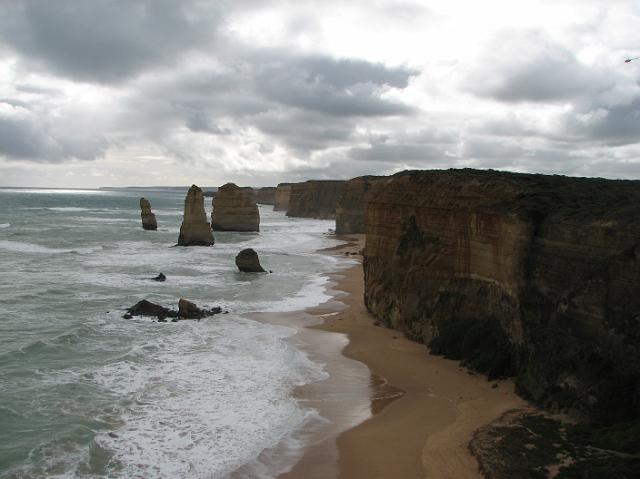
(411, 415)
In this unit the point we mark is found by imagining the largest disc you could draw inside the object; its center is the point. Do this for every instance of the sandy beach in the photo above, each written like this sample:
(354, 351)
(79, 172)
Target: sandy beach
(421, 410)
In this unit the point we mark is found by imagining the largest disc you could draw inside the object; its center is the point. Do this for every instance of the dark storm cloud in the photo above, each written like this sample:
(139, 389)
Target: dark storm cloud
(334, 87)
(106, 41)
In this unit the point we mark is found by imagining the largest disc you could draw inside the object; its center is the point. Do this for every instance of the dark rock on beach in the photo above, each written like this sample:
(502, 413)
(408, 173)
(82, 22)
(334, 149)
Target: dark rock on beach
(147, 308)
(247, 261)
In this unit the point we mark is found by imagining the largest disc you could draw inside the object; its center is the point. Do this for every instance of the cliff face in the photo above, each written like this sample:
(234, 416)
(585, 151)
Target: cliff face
(530, 275)
(267, 195)
(351, 211)
(148, 218)
(235, 209)
(195, 229)
(281, 203)
(315, 198)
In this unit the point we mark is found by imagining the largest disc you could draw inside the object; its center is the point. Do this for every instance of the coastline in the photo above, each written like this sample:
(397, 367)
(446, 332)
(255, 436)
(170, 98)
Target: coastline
(414, 415)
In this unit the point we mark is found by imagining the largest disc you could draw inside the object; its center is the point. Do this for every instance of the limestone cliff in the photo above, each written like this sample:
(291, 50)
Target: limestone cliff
(530, 275)
(148, 218)
(315, 198)
(283, 190)
(267, 195)
(195, 230)
(351, 211)
(235, 209)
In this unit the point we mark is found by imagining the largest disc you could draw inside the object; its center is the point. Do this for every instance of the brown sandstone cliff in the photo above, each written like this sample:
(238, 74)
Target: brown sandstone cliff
(266, 195)
(195, 229)
(315, 198)
(235, 209)
(530, 275)
(283, 190)
(351, 211)
(148, 218)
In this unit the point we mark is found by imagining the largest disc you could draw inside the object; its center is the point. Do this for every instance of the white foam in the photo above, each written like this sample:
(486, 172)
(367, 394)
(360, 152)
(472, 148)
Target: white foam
(21, 247)
(208, 399)
(5, 225)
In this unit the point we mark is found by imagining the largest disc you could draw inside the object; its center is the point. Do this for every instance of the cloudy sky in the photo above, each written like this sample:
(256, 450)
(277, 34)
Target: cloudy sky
(161, 92)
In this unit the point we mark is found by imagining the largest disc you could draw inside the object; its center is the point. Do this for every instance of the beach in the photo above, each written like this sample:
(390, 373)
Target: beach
(422, 409)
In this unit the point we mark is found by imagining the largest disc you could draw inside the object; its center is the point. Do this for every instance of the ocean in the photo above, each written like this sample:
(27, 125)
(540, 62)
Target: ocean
(86, 393)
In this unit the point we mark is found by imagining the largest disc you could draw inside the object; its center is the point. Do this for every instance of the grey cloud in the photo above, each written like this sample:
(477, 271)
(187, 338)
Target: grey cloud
(400, 153)
(330, 86)
(615, 125)
(106, 41)
(527, 67)
(29, 139)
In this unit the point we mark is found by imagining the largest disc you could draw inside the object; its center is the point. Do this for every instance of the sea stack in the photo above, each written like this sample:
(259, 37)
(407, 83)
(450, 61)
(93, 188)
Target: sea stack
(148, 218)
(235, 209)
(315, 199)
(267, 195)
(281, 199)
(247, 261)
(195, 229)
(351, 212)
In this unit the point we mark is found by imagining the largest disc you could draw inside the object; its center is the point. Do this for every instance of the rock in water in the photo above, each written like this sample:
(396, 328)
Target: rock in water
(247, 261)
(147, 308)
(189, 310)
(281, 199)
(195, 229)
(267, 195)
(235, 209)
(148, 218)
(161, 277)
(315, 199)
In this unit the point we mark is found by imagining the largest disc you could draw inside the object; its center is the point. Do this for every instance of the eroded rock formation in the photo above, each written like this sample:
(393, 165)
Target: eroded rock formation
(247, 261)
(148, 218)
(351, 211)
(267, 195)
(235, 209)
(530, 275)
(315, 198)
(283, 190)
(195, 229)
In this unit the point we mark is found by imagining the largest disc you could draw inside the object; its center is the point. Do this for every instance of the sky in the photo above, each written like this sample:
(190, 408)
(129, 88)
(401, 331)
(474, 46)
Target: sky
(160, 92)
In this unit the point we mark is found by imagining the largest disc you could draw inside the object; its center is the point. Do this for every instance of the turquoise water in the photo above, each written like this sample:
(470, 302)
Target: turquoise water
(86, 393)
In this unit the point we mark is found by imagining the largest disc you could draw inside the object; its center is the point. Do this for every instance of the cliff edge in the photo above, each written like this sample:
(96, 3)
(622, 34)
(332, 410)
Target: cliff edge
(315, 198)
(527, 275)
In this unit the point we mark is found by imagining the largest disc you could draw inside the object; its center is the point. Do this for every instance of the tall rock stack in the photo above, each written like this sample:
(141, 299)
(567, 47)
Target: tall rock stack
(281, 200)
(195, 230)
(267, 195)
(351, 212)
(531, 275)
(235, 209)
(148, 218)
(315, 198)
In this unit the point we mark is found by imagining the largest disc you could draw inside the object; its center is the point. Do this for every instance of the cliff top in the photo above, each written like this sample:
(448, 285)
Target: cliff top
(552, 196)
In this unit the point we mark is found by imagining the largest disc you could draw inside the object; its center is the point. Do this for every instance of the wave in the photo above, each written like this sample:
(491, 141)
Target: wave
(5, 225)
(21, 247)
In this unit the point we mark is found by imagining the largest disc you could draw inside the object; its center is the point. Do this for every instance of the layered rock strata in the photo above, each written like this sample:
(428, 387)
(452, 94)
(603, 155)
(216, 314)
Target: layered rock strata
(351, 210)
(281, 197)
(315, 198)
(235, 209)
(266, 195)
(148, 218)
(530, 275)
(195, 229)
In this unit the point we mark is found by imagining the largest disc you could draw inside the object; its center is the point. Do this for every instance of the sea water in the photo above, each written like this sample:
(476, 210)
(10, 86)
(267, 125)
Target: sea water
(86, 393)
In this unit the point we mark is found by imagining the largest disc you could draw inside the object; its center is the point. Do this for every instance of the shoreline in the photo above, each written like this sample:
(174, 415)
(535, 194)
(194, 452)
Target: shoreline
(416, 413)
